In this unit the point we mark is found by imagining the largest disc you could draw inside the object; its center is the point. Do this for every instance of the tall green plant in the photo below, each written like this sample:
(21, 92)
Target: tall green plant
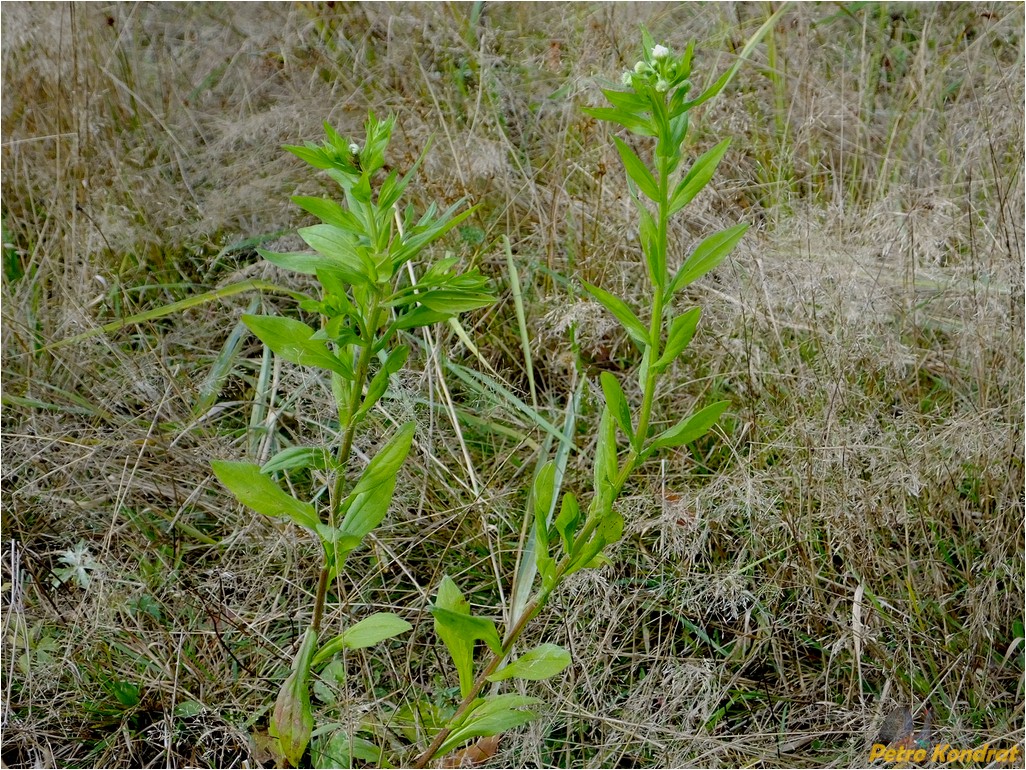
(364, 301)
(568, 538)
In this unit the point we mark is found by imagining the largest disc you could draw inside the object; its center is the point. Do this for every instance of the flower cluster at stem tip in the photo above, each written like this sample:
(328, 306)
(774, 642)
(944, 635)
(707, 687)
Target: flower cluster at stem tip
(659, 69)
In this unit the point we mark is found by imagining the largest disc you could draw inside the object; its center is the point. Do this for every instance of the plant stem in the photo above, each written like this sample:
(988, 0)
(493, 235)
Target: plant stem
(656, 323)
(322, 590)
(335, 497)
(532, 609)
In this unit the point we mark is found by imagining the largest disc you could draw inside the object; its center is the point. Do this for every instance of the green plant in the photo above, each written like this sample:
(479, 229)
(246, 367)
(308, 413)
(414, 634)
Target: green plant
(365, 301)
(656, 107)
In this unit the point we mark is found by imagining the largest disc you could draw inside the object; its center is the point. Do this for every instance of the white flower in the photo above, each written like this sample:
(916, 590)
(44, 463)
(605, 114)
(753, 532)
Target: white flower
(660, 52)
(625, 78)
(662, 86)
(354, 148)
(641, 68)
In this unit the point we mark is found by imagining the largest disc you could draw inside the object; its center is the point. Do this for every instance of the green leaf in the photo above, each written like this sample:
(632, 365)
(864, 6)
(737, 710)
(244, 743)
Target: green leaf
(609, 529)
(567, 520)
(298, 457)
(428, 230)
(690, 428)
(460, 647)
(379, 383)
(708, 255)
(606, 466)
(490, 716)
(543, 662)
(624, 314)
(726, 77)
(368, 503)
(450, 300)
(627, 101)
(292, 720)
(188, 708)
(617, 403)
(337, 751)
(631, 122)
(637, 170)
(544, 494)
(698, 176)
(655, 254)
(368, 632)
(311, 153)
(291, 340)
(342, 250)
(127, 693)
(469, 627)
(420, 316)
(682, 329)
(329, 212)
(255, 490)
(298, 262)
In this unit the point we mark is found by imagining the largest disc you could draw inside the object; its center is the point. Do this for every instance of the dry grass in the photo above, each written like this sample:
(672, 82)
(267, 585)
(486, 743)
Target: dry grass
(851, 538)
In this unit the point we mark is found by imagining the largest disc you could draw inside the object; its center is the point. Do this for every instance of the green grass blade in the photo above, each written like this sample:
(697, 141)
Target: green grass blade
(518, 303)
(482, 383)
(176, 307)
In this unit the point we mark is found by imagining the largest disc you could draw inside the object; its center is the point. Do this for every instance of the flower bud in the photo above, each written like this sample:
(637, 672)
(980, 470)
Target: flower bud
(660, 52)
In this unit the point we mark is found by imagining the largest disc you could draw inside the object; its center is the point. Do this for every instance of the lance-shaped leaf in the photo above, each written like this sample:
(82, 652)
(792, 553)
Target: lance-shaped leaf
(335, 749)
(427, 230)
(609, 529)
(627, 100)
(726, 77)
(292, 720)
(470, 627)
(567, 520)
(379, 383)
(366, 633)
(391, 190)
(298, 457)
(343, 251)
(688, 429)
(698, 176)
(652, 248)
(637, 170)
(708, 255)
(490, 716)
(682, 329)
(458, 630)
(291, 340)
(544, 661)
(461, 648)
(330, 213)
(605, 452)
(257, 491)
(544, 494)
(635, 329)
(617, 403)
(298, 262)
(368, 503)
(633, 123)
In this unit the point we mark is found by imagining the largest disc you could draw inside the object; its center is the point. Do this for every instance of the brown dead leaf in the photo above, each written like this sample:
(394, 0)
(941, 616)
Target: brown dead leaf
(480, 752)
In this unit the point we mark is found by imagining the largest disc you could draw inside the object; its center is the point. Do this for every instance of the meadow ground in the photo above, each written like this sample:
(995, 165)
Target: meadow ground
(848, 540)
